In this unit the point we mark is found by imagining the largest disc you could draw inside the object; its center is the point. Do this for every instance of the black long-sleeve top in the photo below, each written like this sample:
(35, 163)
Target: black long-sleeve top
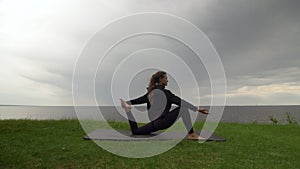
(161, 102)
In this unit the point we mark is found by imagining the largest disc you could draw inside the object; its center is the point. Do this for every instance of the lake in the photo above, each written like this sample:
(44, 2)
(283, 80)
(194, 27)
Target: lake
(239, 114)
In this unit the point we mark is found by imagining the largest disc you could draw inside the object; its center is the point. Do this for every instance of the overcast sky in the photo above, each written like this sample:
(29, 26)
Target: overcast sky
(257, 41)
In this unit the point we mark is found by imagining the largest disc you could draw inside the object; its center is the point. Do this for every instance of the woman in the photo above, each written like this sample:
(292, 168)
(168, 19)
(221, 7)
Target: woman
(159, 101)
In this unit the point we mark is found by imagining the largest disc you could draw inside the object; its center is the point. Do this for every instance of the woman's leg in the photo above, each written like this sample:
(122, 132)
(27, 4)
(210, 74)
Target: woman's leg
(146, 129)
(161, 123)
(172, 116)
(186, 118)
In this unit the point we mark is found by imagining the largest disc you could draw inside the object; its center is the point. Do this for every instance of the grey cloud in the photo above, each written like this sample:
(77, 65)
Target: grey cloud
(258, 42)
(54, 80)
(253, 36)
(278, 76)
(250, 37)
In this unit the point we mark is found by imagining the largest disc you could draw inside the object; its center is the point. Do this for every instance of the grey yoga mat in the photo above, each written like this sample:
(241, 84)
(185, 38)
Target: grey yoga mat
(125, 135)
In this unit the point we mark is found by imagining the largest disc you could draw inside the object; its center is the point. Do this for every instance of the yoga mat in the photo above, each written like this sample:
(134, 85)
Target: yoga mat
(125, 135)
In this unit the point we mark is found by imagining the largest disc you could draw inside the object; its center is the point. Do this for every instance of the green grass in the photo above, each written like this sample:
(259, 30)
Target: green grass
(59, 144)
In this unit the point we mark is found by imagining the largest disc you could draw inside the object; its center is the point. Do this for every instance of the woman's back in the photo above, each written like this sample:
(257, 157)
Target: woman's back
(158, 104)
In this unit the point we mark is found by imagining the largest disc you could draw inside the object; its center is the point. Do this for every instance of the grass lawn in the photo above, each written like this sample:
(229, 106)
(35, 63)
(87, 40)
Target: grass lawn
(59, 144)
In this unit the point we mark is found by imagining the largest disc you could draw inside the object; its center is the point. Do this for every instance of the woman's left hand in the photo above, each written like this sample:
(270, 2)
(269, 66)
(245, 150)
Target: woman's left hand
(203, 110)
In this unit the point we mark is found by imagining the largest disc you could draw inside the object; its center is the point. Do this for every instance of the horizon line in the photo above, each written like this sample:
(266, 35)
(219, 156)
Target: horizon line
(145, 105)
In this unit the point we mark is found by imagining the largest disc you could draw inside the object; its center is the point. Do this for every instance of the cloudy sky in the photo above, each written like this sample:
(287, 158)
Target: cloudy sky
(257, 41)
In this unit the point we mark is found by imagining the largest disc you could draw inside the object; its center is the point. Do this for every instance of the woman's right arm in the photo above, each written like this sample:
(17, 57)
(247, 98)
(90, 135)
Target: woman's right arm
(139, 100)
(177, 100)
(180, 102)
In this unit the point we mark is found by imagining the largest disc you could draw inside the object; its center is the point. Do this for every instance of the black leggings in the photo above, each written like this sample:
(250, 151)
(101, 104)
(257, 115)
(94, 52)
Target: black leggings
(163, 122)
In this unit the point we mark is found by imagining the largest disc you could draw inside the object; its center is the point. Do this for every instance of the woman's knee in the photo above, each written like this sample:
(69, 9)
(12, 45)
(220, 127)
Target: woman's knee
(135, 132)
(139, 132)
(164, 123)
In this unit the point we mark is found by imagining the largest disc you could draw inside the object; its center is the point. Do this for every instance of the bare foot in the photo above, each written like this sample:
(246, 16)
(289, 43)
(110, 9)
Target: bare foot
(194, 136)
(126, 106)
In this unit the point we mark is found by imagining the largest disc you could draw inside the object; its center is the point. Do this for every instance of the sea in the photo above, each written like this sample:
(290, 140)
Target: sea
(283, 114)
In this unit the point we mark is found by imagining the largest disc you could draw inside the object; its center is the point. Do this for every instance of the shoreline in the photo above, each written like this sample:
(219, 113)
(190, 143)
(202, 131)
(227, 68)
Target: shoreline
(231, 114)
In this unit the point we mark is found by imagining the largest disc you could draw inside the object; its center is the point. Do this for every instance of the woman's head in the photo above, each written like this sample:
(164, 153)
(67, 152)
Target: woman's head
(158, 78)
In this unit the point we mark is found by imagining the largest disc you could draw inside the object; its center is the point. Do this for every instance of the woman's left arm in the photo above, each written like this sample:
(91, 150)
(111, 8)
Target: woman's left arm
(140, 100)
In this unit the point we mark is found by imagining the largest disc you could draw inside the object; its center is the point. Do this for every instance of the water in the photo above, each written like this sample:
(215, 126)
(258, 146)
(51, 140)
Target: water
(239, 114)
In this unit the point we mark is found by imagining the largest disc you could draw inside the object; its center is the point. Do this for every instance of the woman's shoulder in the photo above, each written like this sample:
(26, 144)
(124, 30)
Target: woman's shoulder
(166, 91)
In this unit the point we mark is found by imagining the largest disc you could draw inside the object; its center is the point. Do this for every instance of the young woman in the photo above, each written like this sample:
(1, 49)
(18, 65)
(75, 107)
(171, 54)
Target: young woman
(159, 101)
